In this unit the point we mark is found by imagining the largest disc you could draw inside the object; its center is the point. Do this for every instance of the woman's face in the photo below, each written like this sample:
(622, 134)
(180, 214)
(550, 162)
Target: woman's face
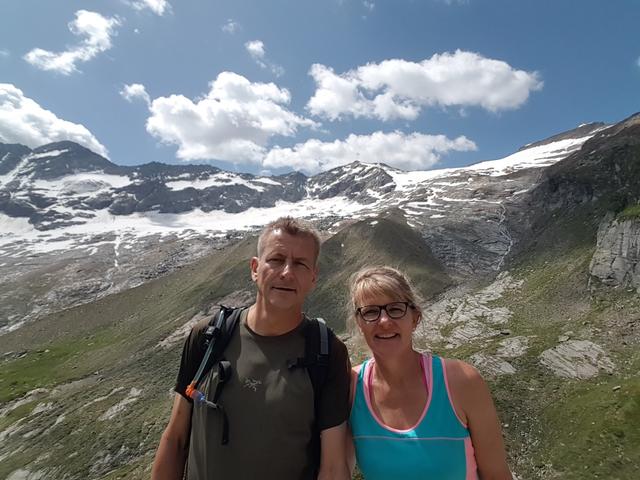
(387, 335)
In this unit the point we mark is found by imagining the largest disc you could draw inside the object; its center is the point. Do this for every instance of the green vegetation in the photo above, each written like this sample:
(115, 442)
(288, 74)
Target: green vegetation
(594, 428)
(554, 427)
(630, 213)
(16, 414)
(59, 363)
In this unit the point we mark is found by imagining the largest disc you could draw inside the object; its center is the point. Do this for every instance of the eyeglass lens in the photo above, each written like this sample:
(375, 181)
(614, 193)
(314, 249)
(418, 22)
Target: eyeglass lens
(395, 310)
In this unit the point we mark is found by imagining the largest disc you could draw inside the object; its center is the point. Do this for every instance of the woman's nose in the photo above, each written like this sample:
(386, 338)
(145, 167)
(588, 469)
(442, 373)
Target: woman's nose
(384, 317)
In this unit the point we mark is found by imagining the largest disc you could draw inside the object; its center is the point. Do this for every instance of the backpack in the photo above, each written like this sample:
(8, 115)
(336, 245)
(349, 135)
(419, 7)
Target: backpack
(216, 338)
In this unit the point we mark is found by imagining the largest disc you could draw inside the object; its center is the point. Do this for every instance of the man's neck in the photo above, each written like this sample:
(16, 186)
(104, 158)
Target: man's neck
(268, 321)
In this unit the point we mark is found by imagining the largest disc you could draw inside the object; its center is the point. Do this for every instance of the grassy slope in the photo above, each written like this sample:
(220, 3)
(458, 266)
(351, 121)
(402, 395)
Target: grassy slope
(78, 341)
(94, 354)
(560, 428)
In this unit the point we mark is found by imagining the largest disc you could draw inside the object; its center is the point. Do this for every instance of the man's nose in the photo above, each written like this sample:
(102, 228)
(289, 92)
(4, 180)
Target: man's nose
(287, 269)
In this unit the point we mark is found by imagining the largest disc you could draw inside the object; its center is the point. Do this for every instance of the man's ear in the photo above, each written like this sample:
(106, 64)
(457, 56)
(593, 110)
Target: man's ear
(253, 265)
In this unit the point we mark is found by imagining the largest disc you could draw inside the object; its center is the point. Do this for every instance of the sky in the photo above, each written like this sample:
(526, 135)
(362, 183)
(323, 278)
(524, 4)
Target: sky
(267, 87)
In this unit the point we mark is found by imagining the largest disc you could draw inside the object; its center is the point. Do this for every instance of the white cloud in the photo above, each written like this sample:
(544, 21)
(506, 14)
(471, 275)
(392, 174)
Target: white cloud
(398, 88)
(369, 5)
(415, 151)
(159, 7)
(4, 52)
(233, 122)
(23, 121)
(97, 32)
(134, 91)
(231, 26)
(257, 51)
(638, 62)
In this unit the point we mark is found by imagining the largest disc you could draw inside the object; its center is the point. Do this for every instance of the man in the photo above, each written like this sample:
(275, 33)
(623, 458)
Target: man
(270, 407)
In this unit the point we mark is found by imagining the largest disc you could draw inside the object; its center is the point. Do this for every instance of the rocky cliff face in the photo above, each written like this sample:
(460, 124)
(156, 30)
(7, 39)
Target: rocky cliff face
(600, 177)
(616, 261)
(605, 168)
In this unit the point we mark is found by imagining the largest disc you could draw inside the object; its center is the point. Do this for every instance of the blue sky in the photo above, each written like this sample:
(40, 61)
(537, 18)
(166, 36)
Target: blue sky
(267, 86)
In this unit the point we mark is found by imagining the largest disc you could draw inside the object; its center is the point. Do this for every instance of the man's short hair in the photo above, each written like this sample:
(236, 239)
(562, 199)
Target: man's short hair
(292, 226)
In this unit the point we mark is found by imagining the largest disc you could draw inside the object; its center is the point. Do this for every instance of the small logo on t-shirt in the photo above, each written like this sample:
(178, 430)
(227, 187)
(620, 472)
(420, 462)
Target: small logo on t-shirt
(252, 384)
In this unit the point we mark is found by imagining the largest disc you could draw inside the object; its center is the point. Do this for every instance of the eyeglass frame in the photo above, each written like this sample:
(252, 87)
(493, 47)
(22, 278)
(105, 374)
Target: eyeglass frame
(407, 306)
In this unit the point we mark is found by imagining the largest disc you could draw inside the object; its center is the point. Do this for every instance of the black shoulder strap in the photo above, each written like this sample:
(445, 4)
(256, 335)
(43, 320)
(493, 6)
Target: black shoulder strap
(317, 353)
(316, 360)
(216, 338)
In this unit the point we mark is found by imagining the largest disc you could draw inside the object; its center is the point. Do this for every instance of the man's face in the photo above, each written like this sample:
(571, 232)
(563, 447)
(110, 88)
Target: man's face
(286, 270)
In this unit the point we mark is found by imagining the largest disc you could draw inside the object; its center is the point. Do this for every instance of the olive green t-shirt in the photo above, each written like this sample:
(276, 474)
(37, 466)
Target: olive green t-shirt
(270, 407)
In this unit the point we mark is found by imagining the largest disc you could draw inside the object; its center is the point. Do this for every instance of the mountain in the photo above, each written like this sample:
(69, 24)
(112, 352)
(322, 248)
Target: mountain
(529, 265)
(90, 228)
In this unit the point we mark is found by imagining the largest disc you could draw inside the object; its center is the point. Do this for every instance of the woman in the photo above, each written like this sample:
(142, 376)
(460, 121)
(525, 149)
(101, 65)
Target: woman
(415, 415)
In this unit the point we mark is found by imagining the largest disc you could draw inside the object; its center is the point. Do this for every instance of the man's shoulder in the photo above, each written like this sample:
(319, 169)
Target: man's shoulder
(200, 326)
(198, 333)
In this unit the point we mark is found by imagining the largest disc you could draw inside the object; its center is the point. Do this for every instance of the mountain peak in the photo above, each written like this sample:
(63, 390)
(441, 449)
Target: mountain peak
(67, 145)
(581, 131)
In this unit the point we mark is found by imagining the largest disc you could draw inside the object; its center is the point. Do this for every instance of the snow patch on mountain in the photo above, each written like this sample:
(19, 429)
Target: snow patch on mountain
(50, 153)
(222, 179)
(80, 183)
(215, 223)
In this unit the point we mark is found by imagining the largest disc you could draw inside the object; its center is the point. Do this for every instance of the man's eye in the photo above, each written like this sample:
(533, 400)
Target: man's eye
(302, 264)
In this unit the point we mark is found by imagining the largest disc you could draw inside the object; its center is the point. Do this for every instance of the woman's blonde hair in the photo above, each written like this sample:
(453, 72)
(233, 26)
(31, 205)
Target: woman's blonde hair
(380, 280)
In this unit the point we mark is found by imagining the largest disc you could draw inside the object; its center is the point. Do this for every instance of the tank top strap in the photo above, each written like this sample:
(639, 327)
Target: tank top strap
(442, 418)
(359, 392)
(360, 386)
(363, 367)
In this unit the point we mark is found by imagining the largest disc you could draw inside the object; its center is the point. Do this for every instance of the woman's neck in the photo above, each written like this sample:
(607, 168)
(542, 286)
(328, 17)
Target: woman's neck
(399, 369)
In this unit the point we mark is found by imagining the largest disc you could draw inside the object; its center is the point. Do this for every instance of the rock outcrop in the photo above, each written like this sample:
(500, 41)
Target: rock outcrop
(616, 261)
(577, 359)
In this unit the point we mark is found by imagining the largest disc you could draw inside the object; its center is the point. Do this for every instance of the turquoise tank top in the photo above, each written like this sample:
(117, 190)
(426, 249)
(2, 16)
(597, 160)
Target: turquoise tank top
(437, 447)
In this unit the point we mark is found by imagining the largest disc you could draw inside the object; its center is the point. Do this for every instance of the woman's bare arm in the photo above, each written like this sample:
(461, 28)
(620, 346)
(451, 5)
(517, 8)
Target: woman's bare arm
(473, 404)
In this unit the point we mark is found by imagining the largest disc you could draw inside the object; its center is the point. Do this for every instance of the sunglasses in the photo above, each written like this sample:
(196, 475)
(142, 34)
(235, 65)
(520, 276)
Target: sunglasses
(395, 310)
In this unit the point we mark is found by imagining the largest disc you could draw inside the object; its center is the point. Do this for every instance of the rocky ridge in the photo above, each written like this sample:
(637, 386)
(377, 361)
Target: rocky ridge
(71, 214)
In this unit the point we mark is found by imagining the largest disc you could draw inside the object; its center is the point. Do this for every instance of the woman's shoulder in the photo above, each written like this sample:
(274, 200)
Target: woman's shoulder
(460, 369)
(463, 379)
